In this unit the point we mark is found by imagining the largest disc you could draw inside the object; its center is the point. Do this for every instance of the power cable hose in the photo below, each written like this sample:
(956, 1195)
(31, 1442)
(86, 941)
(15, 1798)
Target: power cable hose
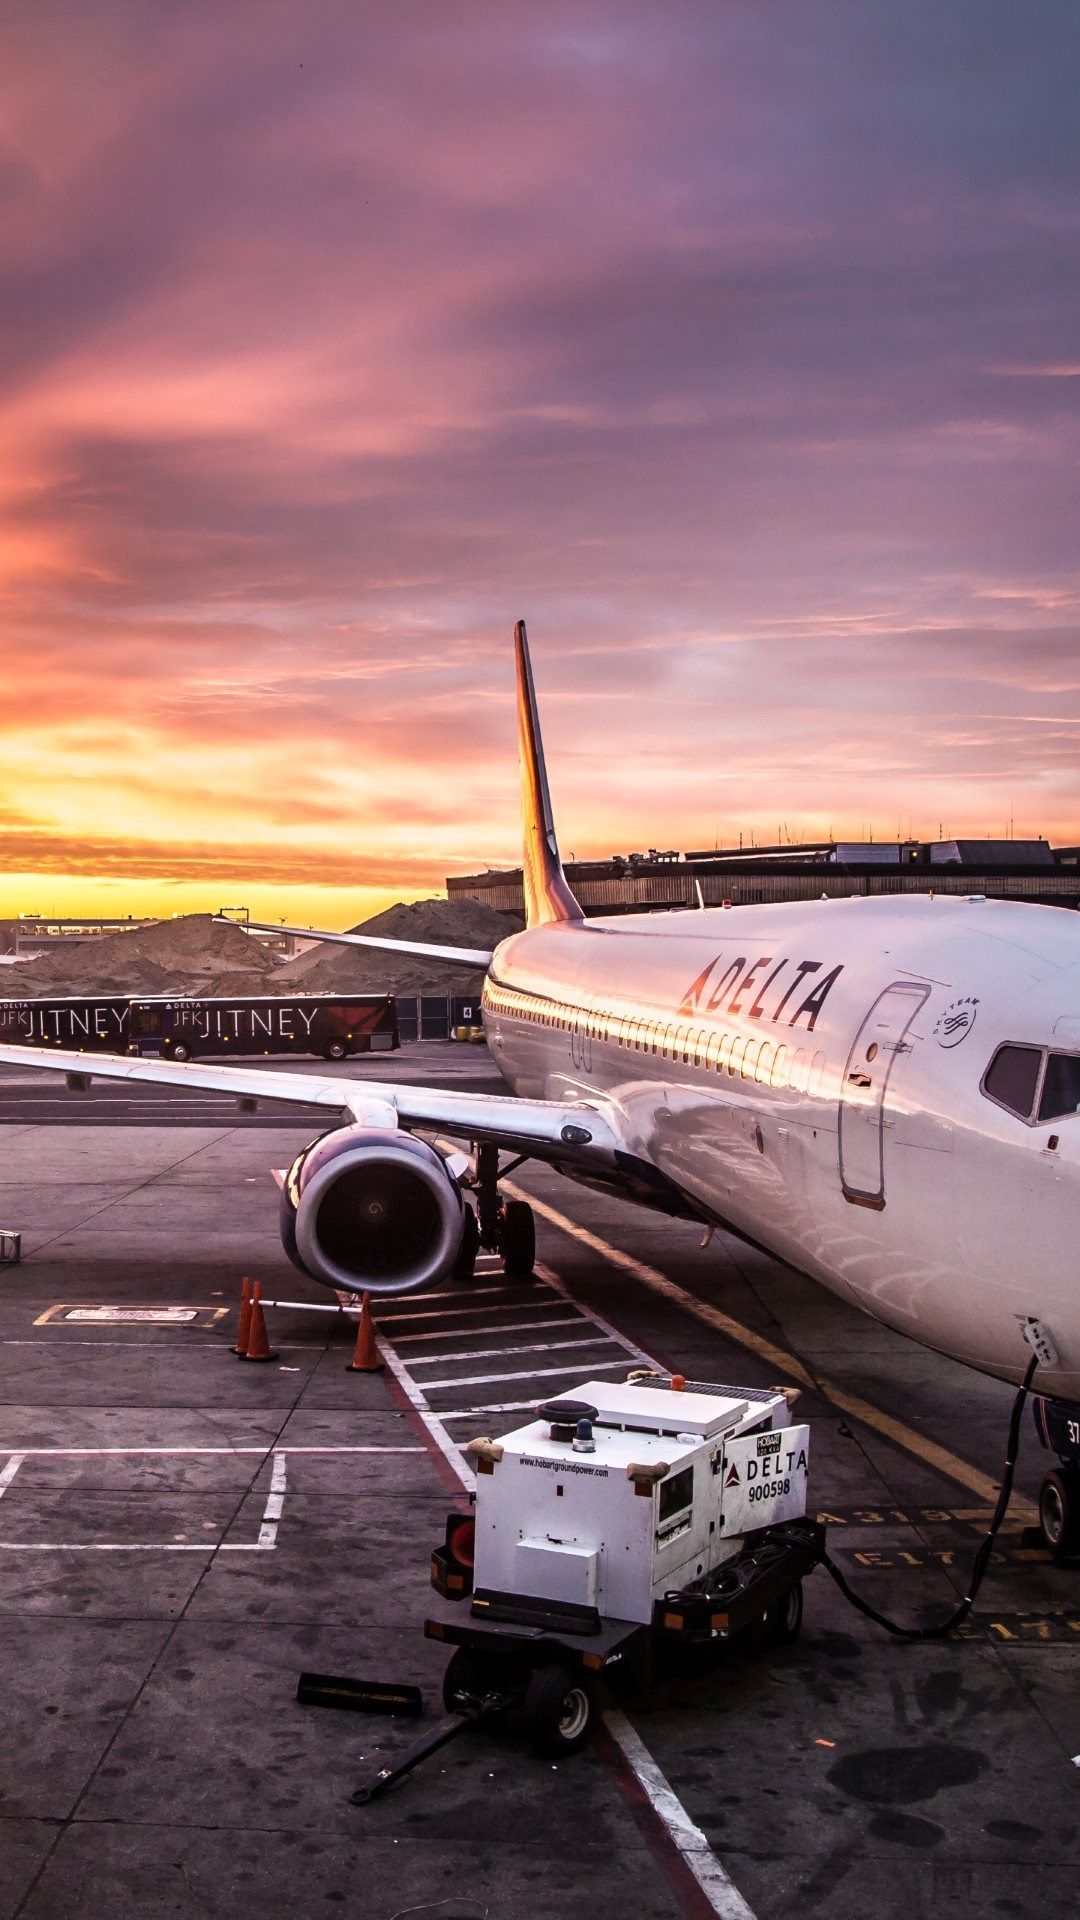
(982, 1556)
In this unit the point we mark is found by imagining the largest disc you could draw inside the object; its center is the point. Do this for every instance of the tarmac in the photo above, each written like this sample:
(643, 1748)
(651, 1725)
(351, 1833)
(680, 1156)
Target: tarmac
(181, 1533)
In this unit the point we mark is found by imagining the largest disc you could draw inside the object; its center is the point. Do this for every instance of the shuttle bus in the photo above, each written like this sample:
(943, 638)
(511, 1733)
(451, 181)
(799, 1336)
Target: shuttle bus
(97, 1025)
(321, 1023)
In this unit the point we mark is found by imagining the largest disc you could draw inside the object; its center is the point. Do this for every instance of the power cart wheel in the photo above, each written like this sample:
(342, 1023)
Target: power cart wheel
(336, 1050)
(517, 1239)
(1059, 1510)
(558, 1711)
(464, 1266)
(783, 1620)
(469, 1678)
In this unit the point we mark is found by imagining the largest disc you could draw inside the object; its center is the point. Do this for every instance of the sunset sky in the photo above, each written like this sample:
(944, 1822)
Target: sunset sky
(734, 346)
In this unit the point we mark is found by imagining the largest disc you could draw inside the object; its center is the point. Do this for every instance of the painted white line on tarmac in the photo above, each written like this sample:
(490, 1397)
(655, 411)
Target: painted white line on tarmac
(9, 1472)
(514, 1326)
(498, 1353)
(95, 1453)
(529, 1373)
(423, 1412)
(443, 1313)
(722, 1895)
(480, 1413)
(454, 1294)
(275, 1502)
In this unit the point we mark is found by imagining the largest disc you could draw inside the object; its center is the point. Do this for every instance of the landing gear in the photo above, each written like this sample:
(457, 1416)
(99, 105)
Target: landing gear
(517, 1239)
(1059, 1510)
(505, 1227)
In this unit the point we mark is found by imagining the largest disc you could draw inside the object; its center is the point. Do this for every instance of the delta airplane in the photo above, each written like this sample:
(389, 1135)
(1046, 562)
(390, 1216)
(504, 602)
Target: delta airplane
(881, 1092)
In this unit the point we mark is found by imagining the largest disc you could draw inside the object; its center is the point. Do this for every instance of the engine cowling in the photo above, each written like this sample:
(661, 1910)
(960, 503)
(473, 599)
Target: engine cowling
(371, 1210)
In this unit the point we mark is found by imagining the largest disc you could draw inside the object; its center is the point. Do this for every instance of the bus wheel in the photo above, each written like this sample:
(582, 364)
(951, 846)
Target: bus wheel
(181, 1053)
(517, 1239)
(336, 1050)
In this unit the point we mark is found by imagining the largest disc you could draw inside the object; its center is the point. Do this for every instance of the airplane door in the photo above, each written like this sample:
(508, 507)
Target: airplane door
(581, 1041)
(878, 1044)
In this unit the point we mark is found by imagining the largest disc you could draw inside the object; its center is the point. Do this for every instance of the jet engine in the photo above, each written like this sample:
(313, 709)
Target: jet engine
(371, 1210)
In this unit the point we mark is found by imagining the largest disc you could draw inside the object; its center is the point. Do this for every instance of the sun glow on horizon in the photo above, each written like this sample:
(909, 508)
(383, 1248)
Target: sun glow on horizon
(325, 358)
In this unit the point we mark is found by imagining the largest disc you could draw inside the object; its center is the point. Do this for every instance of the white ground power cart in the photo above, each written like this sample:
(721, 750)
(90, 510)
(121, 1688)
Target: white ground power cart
(623, 1517)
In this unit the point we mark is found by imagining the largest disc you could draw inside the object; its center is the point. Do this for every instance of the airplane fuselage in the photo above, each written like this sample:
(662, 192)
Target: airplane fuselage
(813, 1076)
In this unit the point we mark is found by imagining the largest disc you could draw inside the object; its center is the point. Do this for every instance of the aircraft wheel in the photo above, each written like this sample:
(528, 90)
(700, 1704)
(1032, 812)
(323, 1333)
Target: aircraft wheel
(517, 1239)
(464, 1266)
(558, 1711)
(1059, 1510)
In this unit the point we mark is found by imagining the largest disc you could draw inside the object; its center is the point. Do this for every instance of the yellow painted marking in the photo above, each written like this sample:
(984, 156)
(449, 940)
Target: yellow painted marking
(783, 1362)
(207, 1316)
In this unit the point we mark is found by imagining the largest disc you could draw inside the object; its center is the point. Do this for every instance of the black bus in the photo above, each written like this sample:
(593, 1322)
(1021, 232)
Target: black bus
(180, 1029)
(97, 1025)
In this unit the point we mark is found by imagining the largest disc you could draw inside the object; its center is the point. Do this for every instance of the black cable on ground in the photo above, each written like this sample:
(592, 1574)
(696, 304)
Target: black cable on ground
(979, 1564)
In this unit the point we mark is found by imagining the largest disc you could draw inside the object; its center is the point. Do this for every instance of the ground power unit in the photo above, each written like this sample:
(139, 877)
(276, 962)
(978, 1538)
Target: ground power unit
(622, 1518)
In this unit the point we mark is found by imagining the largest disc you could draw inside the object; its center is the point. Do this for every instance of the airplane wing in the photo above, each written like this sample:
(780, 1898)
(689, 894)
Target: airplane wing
(454, 956)
(584, 1132)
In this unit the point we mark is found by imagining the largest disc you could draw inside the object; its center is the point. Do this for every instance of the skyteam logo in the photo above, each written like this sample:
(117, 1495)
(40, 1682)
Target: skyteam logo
(956, 1021)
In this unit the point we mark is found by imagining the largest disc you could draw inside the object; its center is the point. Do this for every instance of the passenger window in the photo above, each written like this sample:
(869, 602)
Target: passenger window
(798, 1071)
(779, 1069)
(764, 1065)
(738, 1048)
(750, 1059)
(1011, 1079)
(725, 1049)
(1061, 1087)
(817, 1069)
(710, 1050)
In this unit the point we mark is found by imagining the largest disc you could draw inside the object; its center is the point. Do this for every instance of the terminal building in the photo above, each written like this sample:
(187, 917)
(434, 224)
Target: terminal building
(639, 882)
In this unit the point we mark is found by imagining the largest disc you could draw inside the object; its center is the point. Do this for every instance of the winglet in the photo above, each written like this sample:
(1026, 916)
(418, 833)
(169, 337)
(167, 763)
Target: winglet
(547, 893)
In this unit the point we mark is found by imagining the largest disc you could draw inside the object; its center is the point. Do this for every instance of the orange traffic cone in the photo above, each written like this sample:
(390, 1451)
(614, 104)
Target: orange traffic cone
(258, 1343)
(366, 1356)
(243, 1331)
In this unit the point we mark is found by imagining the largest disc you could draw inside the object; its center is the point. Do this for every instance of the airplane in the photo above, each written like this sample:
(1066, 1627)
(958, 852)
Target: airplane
(879, 1091)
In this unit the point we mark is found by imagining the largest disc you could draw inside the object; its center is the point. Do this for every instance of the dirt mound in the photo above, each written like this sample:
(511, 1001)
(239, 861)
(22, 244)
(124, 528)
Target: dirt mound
(195, 955)
(190, 954)
(446, 923)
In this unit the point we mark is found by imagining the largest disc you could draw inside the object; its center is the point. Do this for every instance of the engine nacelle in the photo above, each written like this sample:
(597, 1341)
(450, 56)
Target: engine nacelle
(371, 1210)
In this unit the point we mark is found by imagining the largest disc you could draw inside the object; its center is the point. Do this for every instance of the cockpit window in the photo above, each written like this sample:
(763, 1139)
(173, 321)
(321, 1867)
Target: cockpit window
(1011, 1079)
(1061, 1087)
